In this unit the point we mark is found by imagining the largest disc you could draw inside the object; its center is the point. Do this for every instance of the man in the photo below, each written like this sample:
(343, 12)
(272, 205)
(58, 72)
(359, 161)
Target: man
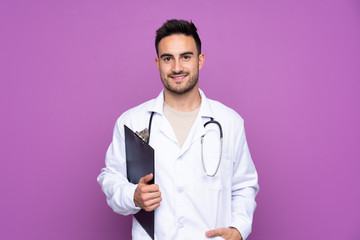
(190, 200)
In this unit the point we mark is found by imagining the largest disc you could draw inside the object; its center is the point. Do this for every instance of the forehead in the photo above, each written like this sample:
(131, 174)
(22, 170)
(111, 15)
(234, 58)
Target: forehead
(177, 44)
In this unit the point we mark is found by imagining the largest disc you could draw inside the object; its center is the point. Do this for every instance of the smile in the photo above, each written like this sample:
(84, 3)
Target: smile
(178, 77)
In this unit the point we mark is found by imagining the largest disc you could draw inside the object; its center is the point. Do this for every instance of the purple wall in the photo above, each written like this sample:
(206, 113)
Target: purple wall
(68, 69)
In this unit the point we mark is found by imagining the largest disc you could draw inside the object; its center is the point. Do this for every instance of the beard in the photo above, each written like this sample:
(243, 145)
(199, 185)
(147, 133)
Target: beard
(183, 87)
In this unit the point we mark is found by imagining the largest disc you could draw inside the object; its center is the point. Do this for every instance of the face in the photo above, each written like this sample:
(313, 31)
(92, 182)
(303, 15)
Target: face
(179, 63)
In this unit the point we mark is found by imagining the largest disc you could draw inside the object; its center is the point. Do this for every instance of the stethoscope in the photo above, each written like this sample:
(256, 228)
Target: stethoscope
(202, 143)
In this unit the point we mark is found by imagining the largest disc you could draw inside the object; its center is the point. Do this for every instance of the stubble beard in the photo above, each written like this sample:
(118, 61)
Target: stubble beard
(178, 90)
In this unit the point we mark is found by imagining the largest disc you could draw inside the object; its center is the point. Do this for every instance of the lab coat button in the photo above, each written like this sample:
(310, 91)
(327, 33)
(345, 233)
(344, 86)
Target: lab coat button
(180, 222)
(180, 189)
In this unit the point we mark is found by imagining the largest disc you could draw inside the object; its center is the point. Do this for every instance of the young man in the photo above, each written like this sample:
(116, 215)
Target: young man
(191, 199)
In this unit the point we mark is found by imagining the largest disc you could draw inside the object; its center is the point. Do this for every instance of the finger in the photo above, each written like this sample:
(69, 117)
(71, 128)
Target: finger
(146, 199)
(150, 195)
(215, 232)
(146, 179)
(152, 204)
(149, 188)
(152, 207)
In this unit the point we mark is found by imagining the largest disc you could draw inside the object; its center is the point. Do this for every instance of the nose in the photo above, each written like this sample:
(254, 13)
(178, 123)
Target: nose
(177, 66)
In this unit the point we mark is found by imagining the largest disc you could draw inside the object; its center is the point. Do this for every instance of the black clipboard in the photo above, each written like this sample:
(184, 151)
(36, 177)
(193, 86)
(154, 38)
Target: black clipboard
(139, 162)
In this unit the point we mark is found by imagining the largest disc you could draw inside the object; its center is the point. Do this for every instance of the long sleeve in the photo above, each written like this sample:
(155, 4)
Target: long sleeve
(244, 188)
(112, 179)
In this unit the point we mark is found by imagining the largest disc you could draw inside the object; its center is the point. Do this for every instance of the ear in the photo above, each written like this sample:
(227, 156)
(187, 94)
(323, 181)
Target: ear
(201, 60)
(157, 61)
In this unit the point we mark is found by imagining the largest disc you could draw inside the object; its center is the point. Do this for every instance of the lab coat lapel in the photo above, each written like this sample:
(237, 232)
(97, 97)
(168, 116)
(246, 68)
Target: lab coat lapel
(164, 125)
(198, 130)
(167, 130)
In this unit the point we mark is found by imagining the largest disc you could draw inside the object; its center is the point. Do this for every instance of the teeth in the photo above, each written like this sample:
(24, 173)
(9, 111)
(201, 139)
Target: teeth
(178, 77)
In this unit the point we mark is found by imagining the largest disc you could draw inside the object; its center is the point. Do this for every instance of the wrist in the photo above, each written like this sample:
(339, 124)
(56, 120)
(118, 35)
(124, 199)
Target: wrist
(237, 233)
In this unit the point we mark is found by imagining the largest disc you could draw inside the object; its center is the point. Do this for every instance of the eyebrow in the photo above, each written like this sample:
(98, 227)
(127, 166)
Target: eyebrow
(187, 53)
(170, 55)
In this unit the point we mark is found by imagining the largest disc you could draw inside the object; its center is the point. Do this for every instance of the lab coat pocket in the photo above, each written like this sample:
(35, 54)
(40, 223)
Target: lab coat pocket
(222, 178)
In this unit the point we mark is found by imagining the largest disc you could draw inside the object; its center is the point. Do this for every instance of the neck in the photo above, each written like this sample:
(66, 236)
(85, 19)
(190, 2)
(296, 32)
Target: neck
(185, 102)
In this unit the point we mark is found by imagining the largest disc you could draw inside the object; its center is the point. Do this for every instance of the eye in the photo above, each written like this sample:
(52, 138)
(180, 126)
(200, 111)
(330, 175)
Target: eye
(167, 59)
(186, 57)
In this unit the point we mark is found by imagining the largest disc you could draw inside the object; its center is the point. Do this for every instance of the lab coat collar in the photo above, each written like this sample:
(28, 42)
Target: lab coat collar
(205, 108)
(158, 104)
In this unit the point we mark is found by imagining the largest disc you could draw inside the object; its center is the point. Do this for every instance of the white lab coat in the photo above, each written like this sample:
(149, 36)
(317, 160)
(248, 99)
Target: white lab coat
(192, 203)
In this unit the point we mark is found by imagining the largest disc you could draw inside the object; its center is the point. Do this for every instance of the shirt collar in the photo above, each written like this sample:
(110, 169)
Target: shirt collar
(205, 108)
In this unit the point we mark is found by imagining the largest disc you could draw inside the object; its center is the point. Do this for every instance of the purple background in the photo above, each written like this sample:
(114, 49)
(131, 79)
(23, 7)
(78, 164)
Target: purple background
(68, 69)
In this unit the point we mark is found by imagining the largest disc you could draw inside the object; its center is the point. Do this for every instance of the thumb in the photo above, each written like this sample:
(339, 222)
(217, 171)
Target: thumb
(214, 232)
(146, 179)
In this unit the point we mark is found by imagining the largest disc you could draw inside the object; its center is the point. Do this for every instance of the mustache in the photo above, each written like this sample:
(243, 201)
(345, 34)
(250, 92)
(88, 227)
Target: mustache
(178, 73)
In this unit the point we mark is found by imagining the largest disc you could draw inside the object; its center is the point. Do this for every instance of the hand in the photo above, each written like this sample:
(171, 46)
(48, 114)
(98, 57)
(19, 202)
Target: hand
(225, 233)
(146, 196)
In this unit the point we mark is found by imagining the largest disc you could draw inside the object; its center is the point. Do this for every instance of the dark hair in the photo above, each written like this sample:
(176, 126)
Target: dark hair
(175, 26)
